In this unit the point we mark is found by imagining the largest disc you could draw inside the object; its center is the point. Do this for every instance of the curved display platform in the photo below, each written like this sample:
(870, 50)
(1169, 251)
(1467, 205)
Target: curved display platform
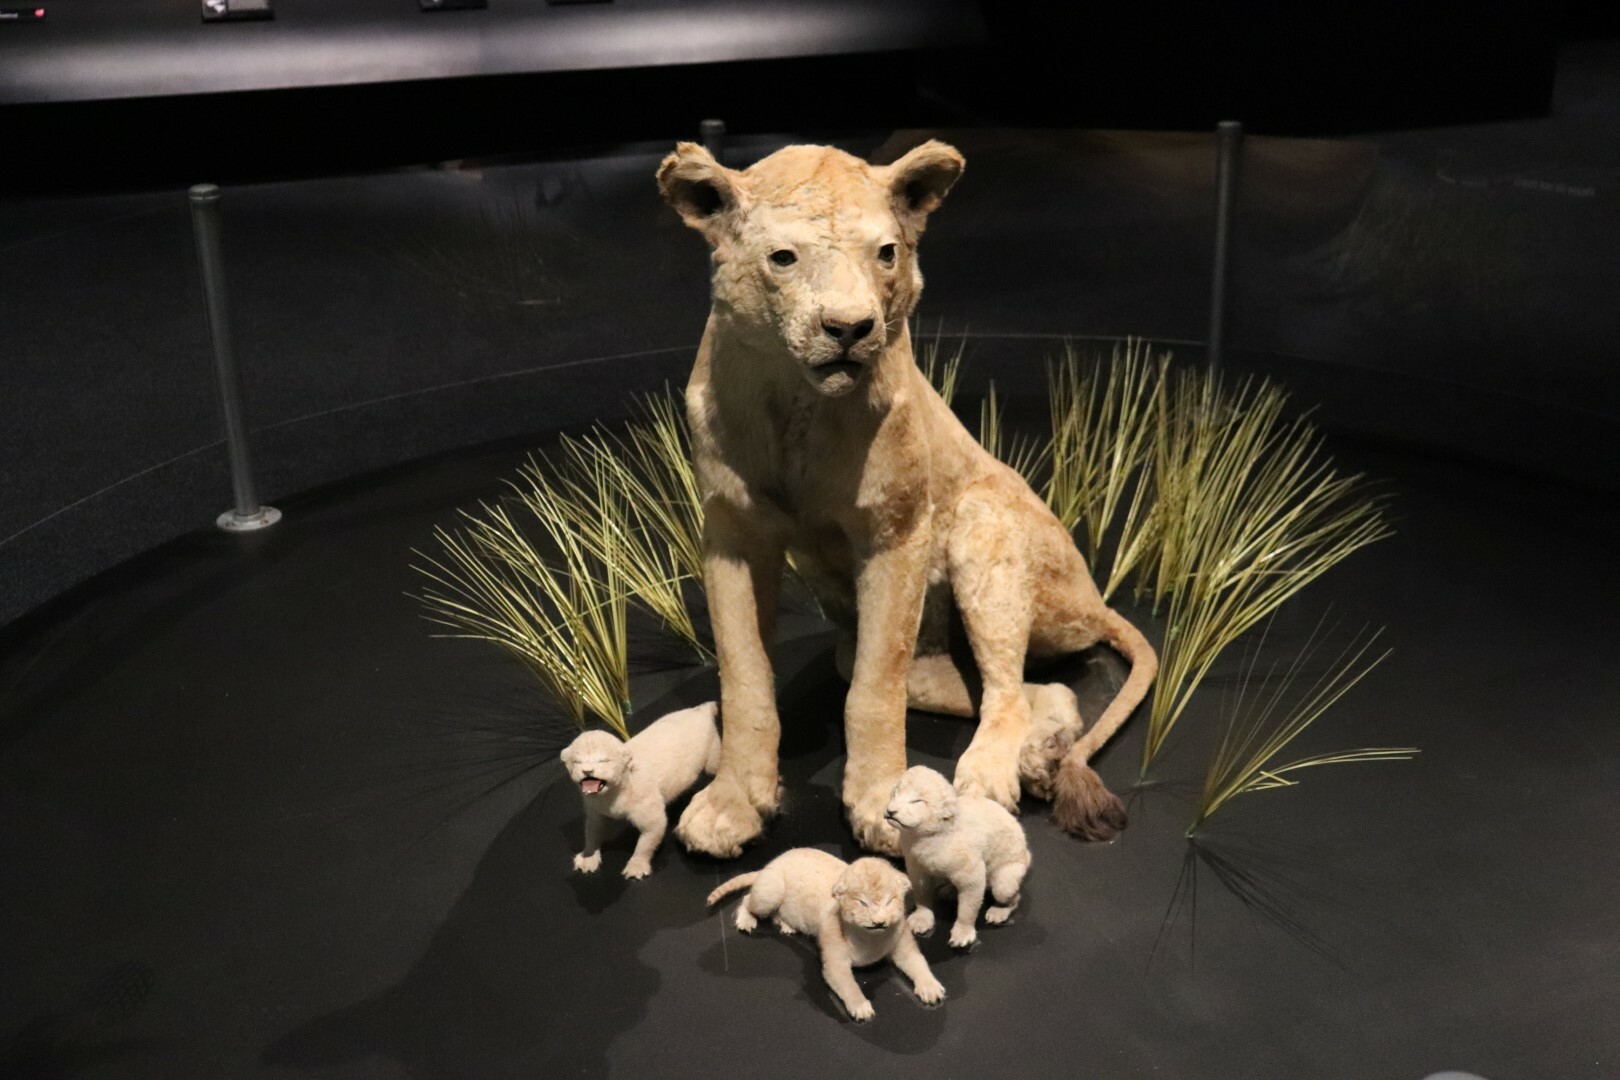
(257, 822)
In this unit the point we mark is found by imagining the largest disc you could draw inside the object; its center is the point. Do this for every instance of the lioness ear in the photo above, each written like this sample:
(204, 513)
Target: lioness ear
(920, 180)
(700, 189)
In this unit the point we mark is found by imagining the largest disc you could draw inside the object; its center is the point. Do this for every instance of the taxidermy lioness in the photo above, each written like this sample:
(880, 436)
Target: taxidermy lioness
(855, 911)
(814, 432)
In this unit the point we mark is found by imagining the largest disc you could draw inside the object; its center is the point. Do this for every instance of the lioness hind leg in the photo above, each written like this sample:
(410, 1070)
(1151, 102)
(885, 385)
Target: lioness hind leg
(990, 576)
(1005, 882)
(1054, 726)
(934, 684)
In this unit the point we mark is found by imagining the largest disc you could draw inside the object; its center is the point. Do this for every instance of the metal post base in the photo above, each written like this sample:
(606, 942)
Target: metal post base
(231, 521)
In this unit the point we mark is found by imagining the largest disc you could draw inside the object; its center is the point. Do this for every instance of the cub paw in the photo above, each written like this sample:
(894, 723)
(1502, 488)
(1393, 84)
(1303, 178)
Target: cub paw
(963, 937)
(588, 864)
(996, 916)
(931, 992)
(861, 1012)
(719, 821)
(636, 869)
(786, 930)
(746, 923)
(921, 922)
(992, 772)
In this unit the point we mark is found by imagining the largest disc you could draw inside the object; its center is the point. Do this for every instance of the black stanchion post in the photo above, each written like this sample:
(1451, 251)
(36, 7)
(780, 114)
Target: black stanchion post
(712, 134)
(1228, 143)
(248, 513)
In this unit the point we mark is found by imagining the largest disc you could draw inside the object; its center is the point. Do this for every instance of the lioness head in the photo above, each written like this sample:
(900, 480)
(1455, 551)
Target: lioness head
(814, 250)
(923, 801)
(598, 762)
(871, 894)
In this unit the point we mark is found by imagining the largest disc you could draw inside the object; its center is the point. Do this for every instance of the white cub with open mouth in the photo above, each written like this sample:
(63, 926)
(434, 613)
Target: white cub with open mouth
(634, 781)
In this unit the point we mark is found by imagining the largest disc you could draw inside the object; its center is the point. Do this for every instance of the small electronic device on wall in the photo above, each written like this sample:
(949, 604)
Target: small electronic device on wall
(236, 10)
(22, 13)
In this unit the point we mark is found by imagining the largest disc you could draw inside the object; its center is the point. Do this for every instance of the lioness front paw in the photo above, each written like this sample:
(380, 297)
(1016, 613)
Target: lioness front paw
(872, 830)
(921, 922)
(636, 869)
(588, 864)
(930, 992)
(719, 821)
(963, 937)
(861, 1012)
(990, 771)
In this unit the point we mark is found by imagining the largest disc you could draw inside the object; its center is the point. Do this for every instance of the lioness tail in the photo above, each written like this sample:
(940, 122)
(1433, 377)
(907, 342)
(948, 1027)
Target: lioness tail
(1081, 805)
(736, 884)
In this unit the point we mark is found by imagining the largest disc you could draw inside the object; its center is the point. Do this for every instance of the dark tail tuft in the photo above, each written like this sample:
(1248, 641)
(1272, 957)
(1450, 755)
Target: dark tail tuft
(1082, 806)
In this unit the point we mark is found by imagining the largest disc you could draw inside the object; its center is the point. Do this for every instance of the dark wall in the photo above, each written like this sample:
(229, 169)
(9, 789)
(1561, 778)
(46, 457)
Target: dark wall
(1283, 67)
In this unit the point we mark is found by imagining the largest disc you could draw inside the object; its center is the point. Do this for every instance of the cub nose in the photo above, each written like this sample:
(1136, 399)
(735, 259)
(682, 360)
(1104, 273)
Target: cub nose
(847, 333)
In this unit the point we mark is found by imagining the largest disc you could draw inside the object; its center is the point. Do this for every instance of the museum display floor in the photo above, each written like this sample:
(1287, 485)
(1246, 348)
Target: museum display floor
(255, 821)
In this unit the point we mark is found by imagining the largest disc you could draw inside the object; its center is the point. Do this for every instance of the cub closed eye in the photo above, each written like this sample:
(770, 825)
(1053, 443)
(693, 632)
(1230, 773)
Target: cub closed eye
(784, 257)
(886, 254)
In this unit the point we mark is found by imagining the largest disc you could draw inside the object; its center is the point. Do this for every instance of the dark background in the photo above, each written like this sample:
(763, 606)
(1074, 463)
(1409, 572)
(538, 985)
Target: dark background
(129, 92)
(1428, 195)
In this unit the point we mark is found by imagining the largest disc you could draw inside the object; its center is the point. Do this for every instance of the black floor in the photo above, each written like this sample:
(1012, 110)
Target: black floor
(256, 822)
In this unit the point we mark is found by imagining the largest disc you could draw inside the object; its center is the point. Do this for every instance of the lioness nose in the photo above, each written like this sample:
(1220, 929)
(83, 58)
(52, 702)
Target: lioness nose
(847, 333)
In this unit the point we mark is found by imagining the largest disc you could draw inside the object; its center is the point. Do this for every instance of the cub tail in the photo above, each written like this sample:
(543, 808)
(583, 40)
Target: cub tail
(1081, 805)
(735, 885)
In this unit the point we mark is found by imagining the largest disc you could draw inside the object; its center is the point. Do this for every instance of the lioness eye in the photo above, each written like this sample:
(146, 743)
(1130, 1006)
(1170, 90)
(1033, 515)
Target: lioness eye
(886, 254)
(784, 257)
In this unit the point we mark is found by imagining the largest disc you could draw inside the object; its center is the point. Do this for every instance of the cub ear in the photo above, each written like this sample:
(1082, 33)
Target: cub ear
(627, 759)
(1061, 742)
(920, 180)
(840, 888)
(700, 189)
(902, 881)
(567, 756)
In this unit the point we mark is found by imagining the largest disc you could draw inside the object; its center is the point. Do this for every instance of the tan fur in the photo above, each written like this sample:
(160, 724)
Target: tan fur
(1054, 724)
(814, 433)
(640, 777)
(855, 911)
(964, 840)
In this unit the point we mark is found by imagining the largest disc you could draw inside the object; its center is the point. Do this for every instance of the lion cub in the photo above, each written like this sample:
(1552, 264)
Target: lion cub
(855, 911)
(635, 780)
(967, 840)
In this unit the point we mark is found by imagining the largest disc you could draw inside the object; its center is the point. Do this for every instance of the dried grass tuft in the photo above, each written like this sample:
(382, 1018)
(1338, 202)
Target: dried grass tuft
(1260, 728)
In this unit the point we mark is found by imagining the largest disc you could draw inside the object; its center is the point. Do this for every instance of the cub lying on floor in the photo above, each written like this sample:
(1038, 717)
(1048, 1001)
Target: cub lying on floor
(966, 840)
(635, 780)
(855, 911)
